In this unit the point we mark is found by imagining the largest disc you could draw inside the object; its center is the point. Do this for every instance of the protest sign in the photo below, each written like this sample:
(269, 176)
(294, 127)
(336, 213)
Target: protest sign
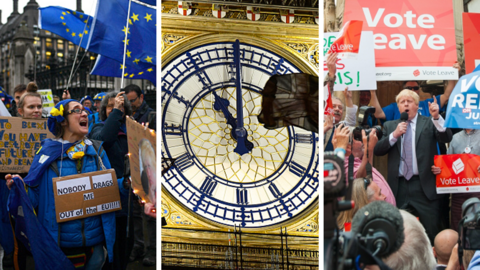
(47, 100)
(141, 146)
(413, 40)
(463, 106)
(471, 40)
(19, 141)
(85, 195)
(347, 43)
(357, 74)
(459, 173)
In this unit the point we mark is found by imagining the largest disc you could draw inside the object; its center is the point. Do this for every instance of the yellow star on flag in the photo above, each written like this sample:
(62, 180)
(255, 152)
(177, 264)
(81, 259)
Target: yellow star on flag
(134, 17)
(127, 41)
(81, 16)
(150, 69)
(73, 34)
(140, 73)
(125, 29)
(68, 30)
(80, 35)
(64, 13)
(86, 32)
(69, 12)
(85, 21)
(122, 66)
(131, 75)
(136, 60)
(125, 75)
(130, 21)
(148, 17)
(148, 59)
(64, 23)
(129, 53)
(62, 18)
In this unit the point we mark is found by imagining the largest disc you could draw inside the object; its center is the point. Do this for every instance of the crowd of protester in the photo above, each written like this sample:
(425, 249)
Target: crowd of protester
(89, 135)
(430, 219)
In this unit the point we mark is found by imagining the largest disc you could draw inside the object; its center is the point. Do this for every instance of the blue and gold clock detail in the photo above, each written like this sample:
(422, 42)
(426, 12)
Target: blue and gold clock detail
(228, 168)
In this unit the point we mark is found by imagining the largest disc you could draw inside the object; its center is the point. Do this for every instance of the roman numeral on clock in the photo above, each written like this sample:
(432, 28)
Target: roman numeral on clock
(297, 169)
(184, 162)
(208, 186)
(273, 188)
(242, 196)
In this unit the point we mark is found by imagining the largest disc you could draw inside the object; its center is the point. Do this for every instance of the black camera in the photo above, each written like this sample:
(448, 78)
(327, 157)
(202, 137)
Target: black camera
(469, 227)
(363, 115)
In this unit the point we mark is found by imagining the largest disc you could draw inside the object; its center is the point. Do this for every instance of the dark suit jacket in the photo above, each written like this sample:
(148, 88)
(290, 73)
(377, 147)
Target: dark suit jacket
(426, 138)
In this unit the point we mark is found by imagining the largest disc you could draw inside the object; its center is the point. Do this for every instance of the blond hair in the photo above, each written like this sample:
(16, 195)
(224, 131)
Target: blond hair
(407, 93)
(360, 196)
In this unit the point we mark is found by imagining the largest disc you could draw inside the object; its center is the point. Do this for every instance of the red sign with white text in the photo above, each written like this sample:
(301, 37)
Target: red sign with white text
(412, 39)
(471, 40)
(348, 41)
(459, 173)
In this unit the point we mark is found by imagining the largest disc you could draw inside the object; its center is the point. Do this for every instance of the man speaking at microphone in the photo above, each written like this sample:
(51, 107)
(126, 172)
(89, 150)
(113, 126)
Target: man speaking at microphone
(411, 145)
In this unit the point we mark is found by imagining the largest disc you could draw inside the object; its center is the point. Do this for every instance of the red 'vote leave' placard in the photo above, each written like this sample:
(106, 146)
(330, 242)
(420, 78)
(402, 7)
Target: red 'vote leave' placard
(459, 173)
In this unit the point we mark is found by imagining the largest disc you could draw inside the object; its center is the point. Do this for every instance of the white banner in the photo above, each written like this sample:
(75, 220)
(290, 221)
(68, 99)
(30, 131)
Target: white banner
(416, 73)
(357, 74)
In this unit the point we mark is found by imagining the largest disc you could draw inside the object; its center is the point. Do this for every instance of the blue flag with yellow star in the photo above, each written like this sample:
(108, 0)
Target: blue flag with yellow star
(105, 66)
(110, 27)
(69, 24)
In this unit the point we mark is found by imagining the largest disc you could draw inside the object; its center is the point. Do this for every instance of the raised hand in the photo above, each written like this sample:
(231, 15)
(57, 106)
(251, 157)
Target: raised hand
(341, 137)
(332, 64)
(434, 108)
(119, 101)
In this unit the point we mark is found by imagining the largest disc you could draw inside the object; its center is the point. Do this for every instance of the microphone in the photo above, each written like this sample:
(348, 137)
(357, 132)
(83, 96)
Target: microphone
(403, 118)
(381, 226)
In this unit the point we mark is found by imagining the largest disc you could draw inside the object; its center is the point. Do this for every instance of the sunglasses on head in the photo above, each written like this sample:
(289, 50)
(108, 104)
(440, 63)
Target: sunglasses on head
(366, 183)
(413, 87)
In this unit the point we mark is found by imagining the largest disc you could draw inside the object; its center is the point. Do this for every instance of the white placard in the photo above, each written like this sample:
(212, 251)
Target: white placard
(356, 73)
(71, 213)
(108, 206)
(102, 181)
(72, 186)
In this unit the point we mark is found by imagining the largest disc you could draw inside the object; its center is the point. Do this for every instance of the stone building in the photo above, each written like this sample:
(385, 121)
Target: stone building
(29, 53)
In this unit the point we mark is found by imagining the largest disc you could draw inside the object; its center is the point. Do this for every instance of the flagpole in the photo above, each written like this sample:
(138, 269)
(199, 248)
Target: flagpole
(76, 54)
(125, 45)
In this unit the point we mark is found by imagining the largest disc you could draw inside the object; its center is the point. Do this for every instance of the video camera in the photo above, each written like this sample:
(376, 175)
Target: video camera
(469, 227)
(371, 239)
(363, 115)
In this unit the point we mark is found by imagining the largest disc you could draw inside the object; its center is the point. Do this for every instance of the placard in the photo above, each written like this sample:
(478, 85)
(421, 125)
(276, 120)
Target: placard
(459, 173)
(463, 110)
(356, 73)
(85, 195)
(47, 100)
(142, 145)
(413, 40)
(471, 40)
(19, 141)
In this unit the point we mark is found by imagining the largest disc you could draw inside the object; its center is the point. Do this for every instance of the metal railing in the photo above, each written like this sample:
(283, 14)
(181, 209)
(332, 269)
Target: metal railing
(243, 251)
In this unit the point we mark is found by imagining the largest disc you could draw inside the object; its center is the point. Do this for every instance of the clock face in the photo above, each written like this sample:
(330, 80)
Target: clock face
(205, 94)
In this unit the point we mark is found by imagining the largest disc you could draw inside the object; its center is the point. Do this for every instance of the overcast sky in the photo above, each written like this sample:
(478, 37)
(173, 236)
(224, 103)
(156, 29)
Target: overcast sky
(88, 6)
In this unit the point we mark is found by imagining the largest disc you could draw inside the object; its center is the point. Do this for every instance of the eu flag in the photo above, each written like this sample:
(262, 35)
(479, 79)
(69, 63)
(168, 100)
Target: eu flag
(111, 68)
(110, 27)
(45, 251)
(69, 24)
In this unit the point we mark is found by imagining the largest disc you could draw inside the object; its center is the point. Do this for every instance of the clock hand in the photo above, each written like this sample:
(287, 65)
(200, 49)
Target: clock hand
(221, 104)
(243, 145)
